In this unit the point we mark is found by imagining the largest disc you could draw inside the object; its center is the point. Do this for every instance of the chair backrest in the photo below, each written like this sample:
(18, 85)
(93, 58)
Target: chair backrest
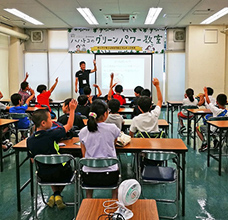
(159, 155)
(155, 134)
(224, 118)
(18, 115)
(99, 162)
(54, 159)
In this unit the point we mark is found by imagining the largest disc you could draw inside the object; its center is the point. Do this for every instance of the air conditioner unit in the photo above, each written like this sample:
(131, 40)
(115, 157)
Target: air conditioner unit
(37, 36)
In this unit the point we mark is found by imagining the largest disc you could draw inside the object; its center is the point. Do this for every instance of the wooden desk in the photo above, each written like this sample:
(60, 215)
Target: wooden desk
(126, 110)
(162, 123)
(5, 101)
(4, 122)
(56, 104)
(221, 126)
(171, 106)
(196, 113)
(135, 146)
(31, 109)
(143, 209)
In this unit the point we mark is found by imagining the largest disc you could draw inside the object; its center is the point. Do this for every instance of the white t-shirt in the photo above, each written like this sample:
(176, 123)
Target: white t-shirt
(146, 122)
(212, 100)
(2, 106)
(186, 102)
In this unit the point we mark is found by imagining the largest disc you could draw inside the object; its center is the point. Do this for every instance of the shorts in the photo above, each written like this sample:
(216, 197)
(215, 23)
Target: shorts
(55, 173)
(180, 114)
(98, 179)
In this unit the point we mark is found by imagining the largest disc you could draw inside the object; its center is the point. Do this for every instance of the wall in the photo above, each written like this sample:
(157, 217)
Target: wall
(16, 63)
(205, 62)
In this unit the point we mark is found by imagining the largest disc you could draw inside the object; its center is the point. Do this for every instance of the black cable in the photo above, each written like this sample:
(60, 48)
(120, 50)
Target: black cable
(112, 216)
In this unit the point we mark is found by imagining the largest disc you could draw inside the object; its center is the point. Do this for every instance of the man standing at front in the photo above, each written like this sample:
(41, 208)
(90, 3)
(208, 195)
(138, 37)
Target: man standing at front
(83, 77)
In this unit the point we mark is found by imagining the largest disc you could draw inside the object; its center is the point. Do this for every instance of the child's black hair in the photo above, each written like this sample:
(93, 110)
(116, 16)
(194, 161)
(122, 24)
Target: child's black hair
(145, 92)
(144, 102)
(114, 105)
(190, 92)
(222, 99)
(119, 88)
(138, 89)
(210, 91)
(99, 107)
(87, 90)
(82, 62)
(67, 101)
(38, 116)
(41, 88)
(82, 99)
(15, 98)
(24, 85)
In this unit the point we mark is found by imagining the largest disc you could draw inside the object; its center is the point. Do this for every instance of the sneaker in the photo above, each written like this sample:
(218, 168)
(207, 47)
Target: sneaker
(5, 141)
(59, 202)
(8, 145)
(216, 143)
(203, 148)
(51, 201)
(182, 129)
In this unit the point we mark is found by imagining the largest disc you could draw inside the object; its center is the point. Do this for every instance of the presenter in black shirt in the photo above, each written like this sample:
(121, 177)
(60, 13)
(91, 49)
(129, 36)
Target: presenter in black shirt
(82, 76)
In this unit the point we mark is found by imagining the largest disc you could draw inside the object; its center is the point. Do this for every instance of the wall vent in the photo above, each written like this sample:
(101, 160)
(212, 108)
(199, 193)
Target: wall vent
(37, 36)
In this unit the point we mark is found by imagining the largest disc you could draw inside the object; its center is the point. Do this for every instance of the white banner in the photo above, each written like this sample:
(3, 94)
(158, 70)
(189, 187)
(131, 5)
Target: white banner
(146, 40)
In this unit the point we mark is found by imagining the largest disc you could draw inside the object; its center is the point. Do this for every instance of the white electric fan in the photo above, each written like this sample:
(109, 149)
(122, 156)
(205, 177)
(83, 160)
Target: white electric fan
(128, 193)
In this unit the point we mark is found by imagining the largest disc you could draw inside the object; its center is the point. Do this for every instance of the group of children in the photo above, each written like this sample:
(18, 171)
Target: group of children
(104, 124)
(217, 108)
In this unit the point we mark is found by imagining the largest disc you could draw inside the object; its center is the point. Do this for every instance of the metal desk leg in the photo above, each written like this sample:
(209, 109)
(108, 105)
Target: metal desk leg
(208, 144)
(168, 113)
(183, 184)
(194, 135)
(18, 180)
(172, 110)
(188, 138)
(220, 151)
(31, 177)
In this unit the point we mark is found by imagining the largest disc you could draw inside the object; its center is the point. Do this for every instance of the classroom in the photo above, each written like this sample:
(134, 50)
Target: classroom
(178, 49)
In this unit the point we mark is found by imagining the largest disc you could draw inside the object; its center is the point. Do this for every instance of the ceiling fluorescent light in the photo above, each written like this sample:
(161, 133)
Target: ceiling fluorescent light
(152, 15)
(87, 14)
(215, 16)
(23, 16)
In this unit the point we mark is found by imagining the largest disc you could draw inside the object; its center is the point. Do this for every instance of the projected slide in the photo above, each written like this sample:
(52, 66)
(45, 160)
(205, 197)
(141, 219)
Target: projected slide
(129, 71)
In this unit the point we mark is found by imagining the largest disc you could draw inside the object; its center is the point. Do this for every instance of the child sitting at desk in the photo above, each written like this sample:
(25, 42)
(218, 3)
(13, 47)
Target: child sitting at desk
(114, 117)
(98, 140)
(219, 111)
(118, 90)
(148, 120)
(25, 91)
(87, 92)
(16, 99)
(44, 141)
(82, 108)
(63, 119)
(43, 97)
(188, 100)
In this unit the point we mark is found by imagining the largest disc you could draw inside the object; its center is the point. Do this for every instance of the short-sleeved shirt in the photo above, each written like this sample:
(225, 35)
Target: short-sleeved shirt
(25, 96)
(83, 78)
(115, 119)
(2, 106)
(45, 141)
(146, 122)
(121, 98)
(63, 119)
(23, 122)
(43, 99)
(187, 101)
(100, 144)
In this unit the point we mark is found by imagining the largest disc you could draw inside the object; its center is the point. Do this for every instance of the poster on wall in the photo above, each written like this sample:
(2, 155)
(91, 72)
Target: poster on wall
(106, 40)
